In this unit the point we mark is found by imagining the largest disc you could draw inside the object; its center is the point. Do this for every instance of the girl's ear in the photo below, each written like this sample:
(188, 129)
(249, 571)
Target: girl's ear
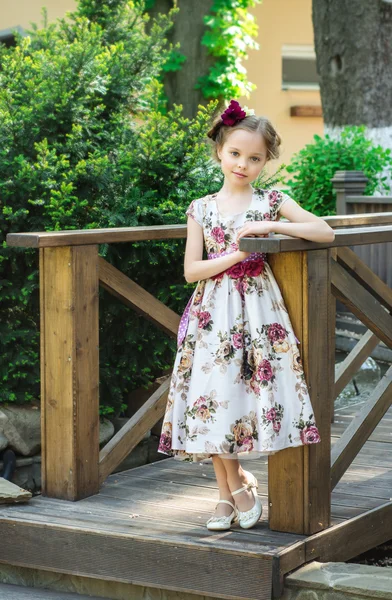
(218, 152)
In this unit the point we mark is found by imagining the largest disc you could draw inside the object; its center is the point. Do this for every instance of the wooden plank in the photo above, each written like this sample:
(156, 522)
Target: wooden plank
(369, 199)
(362, 304)
(81, 237)
(69, 371)
(286, 560)
(132, 294)
(348, 446)
(365, 276)
(130, 434)
(145, 562)
(332, 339)
(286, 468)
(357, 220)
(18, 592)
(346, 369)
(343, 237)
(344, 541)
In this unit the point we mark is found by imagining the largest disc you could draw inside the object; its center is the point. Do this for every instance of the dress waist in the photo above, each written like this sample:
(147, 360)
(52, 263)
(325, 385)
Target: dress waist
(251, 266)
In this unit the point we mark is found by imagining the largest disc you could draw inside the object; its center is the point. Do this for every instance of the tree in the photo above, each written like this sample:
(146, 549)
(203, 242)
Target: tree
(353, 41)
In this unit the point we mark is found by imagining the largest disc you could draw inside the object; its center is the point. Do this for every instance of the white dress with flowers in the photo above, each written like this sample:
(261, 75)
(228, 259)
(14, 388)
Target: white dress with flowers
(238, 387)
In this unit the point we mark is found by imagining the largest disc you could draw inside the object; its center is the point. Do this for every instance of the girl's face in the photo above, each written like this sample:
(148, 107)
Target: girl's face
(242, 156)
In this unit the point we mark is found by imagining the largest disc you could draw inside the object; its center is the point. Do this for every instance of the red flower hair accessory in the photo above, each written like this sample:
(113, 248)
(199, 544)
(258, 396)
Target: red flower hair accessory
(234, 113)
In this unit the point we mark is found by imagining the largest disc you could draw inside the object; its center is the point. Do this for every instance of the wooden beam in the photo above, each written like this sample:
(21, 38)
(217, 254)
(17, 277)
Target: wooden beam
(361, 427)
(69, 371)
(354, 536)
(298, 503)
(361, 303)
(346, 369)
(358, 220)
(132, 294)
(365, 276)
(118, 448)
(306, 111)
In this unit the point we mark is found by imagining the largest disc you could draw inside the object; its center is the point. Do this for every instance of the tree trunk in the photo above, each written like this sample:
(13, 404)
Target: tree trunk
(188, 29)
(353, 40)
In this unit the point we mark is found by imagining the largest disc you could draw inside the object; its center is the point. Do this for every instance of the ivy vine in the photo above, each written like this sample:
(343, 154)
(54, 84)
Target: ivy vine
(231, 33)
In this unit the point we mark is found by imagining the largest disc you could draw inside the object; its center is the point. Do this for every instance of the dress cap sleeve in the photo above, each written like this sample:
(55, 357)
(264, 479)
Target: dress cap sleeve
(195, 210)
(276, 200)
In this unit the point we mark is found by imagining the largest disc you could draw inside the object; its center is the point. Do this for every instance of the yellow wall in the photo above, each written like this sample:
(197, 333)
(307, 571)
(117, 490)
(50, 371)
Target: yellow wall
(24, 12)
(282, 22)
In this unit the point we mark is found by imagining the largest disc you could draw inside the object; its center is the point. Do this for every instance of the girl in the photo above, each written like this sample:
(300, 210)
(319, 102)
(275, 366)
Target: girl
(238, 389)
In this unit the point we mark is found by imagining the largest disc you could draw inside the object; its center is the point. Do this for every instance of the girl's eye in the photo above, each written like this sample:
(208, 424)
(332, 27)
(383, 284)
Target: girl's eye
(234, 152)
(257, 159)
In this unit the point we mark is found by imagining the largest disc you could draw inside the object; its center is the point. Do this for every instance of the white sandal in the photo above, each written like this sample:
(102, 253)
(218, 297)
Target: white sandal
(248, 518)
(221, 523)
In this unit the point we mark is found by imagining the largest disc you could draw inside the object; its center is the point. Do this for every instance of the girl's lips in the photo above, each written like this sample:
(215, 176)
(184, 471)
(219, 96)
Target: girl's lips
(239, 174)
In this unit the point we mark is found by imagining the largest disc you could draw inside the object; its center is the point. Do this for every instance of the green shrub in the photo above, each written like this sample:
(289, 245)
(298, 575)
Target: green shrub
(83, 144)
(314, 166)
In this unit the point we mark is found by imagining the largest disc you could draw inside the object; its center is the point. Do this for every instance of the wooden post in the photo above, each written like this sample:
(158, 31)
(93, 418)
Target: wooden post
(347, 183)
(299, 478)
(69, 371)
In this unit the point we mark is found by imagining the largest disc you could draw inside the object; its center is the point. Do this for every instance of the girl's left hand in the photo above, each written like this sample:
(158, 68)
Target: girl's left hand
(255, 228)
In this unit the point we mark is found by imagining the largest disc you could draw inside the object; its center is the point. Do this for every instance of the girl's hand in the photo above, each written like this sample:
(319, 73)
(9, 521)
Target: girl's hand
(255, 228)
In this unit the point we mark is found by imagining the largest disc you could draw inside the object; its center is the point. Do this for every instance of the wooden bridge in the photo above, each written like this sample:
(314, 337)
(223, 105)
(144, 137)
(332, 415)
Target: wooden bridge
(329, 501)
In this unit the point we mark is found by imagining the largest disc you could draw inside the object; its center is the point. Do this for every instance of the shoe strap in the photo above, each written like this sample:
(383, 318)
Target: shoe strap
(243, 489)
(226, 502)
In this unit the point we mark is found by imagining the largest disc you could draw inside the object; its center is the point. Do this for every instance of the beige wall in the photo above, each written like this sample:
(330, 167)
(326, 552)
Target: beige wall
(24, 12)
(282, 22)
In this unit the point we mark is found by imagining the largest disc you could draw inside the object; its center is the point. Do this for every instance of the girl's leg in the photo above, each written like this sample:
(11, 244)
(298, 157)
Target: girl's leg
(222, 510)
(235, 479)
(219, 464)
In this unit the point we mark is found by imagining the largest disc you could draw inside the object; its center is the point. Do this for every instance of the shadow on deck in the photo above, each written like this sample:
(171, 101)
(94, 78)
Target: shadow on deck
(147, 527)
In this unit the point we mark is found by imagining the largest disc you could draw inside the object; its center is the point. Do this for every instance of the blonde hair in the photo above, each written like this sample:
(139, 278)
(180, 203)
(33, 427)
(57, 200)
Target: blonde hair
(219, 133)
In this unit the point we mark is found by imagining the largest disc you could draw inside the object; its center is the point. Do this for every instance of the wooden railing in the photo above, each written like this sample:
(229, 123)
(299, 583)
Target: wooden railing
(300, 479)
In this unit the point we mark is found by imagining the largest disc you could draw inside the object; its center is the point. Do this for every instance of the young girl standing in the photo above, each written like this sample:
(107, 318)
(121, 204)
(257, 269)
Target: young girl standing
(238, 389)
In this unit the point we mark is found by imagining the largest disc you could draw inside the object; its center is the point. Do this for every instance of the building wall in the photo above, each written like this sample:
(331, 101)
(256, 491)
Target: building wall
(282, 22)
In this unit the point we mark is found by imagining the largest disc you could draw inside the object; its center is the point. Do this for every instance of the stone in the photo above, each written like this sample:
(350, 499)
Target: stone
(3, 442)
(136, 458)
(10, 493)
(106, 431)
(22, 427)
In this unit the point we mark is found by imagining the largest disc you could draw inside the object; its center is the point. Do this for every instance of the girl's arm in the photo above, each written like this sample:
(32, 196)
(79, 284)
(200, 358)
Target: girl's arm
(194, 267)
(302, 224)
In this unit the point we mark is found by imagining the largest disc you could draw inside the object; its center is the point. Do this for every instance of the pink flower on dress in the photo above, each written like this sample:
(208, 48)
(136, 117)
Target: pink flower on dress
(165, 442)
(253, 268)
(264, 370)
(273, 197)
(218, 234)
(246, 444)
(276, 332)
(267, 217)
(276, 426)
(270, 415)
(201, 401)
(204, 319)
(237, 270)
(310, 435)
(238, 341)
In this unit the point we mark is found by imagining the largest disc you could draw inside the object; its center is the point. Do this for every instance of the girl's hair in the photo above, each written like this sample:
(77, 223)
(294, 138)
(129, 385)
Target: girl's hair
(219, 133)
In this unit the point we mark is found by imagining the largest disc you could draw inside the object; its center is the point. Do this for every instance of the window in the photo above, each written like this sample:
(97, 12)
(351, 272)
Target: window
(7, 36)
(299, 68)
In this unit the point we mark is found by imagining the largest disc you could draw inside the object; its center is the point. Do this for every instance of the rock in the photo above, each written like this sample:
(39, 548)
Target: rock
(106, 431)
(21, 426)
(3, 442)
(136, 458)
(9, 492)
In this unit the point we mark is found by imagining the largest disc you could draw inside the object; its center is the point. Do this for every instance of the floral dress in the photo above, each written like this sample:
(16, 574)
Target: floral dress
(238, 387)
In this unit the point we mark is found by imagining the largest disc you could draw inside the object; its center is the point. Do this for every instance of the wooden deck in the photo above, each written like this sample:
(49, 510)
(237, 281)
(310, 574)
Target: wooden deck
(146, 526)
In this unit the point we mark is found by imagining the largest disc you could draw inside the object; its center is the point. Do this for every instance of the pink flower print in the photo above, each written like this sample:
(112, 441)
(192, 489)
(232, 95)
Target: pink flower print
(238, 341)
(246, 444)
(254, 267)
(267, 217)
(276, 426)
(276, 332)
(234, 246)
(204, 319)
(218, 234)
(310, 435)
(264, 370)
(270, 415)
(273, 197)
(201, 401)
(237, 270)
(165, 442)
